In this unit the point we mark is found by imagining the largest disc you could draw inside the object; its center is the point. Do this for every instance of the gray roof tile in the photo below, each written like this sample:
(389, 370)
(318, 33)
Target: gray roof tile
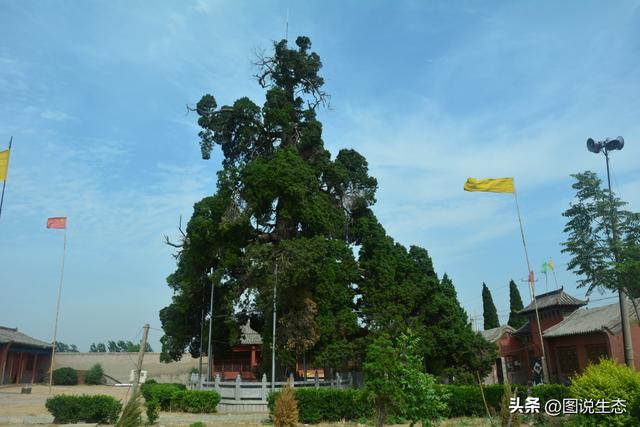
(12, 335)
(587, 320)
(493, 335)
(249, 336)
(557, 298)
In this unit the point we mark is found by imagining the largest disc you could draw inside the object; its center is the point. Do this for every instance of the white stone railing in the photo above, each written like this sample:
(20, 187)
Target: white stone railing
(239, 391)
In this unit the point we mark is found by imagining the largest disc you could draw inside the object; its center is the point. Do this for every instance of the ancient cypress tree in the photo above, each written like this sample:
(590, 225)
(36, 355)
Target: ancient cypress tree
(515, 305)
(284, 204)
(489, 311)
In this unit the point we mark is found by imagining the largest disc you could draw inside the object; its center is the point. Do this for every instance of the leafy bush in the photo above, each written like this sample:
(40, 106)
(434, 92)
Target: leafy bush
(94, 375)
(610, 381)
(153, 411)
(550, 391)
(198, 424)
(65, 376)
(151, 381)
(161, 393)
(327, 404)
(195, 401)
(285, 413)
(90, 409)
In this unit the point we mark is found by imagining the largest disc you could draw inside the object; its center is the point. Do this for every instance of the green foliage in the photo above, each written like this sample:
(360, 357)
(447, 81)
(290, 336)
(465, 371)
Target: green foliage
(282, 200)
(65, 376)
(396, 382)
(515, 304)
(489, 312)
(94, 374)
(89, 409)
(600, 261)
(132, 413)
(550, 391)
(317, 405)
(609, 380)
(198, 424)
(195, 401)
(153, 411)
(65, 348)
(161, 393)
(97, 348)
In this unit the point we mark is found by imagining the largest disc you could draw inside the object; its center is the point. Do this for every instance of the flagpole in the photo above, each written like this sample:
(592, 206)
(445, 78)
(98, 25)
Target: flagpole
(55, 328)
(4, 183)
(531, 288)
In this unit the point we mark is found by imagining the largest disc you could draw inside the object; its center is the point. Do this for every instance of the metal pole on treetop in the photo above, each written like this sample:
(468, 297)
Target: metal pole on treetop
(545, 372)
(4, 181)
(209, 344)
(273, 338)
(55, 328)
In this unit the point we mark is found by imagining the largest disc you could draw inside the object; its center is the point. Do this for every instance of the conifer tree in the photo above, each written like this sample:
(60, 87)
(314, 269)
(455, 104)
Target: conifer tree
(490, 313)
(515, 305)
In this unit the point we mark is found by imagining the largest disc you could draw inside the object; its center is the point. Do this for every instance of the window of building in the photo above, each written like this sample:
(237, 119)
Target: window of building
(595, 352)
(568, 359)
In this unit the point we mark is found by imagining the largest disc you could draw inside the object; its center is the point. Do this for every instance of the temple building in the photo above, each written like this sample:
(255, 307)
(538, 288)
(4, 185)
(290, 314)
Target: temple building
(23, 359)
(573, 337)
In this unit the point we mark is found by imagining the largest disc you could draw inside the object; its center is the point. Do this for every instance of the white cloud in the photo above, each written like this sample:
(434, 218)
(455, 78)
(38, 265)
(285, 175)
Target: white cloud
(55, 115)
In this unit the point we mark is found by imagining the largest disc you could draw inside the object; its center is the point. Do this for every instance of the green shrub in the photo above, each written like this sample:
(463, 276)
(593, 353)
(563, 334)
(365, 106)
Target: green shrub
(550, 391)
(195, 401)
(153, 411)
(65, 376)
(90, 409)
(161, 393)
(94, 375)
(328, 404)
(198, 424)
(151, 381)
(466, 400)
(610, 381)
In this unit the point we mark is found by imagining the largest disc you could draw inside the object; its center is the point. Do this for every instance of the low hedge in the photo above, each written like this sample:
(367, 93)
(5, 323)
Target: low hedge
(195, 401)
(99, 409)
(65, 376)
(161, 393)
(328, 404)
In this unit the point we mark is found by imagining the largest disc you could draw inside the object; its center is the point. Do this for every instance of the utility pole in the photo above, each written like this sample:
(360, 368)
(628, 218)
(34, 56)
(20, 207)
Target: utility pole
(622, 297)
(143, 345)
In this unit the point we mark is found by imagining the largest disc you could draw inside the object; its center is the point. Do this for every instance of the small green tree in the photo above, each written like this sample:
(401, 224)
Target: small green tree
(596, 257)
(397, 383)
(489, 311)
(515, 305)
(94, 375)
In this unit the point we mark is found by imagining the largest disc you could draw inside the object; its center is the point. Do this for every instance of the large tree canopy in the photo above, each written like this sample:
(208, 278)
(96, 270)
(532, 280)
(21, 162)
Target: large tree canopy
(286, 215)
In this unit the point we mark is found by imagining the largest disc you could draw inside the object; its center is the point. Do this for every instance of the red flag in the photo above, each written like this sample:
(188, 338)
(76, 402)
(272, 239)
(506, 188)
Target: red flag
(531, 278)
(57, 222)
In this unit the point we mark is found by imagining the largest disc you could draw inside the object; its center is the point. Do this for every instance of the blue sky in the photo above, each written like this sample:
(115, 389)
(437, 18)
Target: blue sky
(95, 96)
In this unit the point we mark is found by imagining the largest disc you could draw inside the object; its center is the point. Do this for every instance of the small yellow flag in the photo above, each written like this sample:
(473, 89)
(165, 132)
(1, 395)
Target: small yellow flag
(4, 164)
(550, 264)
(497, 185)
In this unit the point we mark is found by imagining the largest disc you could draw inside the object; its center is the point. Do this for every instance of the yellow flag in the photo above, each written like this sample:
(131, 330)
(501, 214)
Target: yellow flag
(497, 185)
(4, 164)
(550, 264)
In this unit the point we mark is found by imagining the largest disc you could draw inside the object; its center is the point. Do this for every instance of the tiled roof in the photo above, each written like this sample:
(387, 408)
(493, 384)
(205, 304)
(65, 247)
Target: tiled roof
(523, 330)
(12, 335)
(586, 320)
(557, 298)
(249, 336)
(494, 334)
